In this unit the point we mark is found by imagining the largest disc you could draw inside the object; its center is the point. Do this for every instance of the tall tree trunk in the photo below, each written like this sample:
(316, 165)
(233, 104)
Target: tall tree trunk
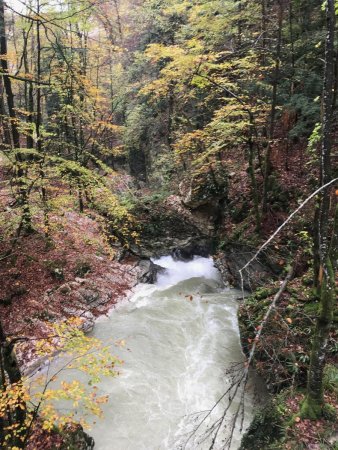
(38, 123)
(327, 237)
(292, 45)
(275, 82)
(252, 174)
(6, 132)
(22, 185)
(263, 31)
(29, 93)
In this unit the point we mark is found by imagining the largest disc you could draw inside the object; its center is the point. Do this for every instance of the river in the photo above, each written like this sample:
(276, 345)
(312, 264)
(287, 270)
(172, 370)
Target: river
(180, 336)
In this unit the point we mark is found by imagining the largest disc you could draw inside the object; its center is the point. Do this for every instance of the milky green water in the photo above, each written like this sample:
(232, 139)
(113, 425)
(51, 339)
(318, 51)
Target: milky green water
(181, 335)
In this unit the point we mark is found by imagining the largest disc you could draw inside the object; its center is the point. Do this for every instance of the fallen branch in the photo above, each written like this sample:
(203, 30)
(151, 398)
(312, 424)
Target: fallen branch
(237, 385)
(266, 317)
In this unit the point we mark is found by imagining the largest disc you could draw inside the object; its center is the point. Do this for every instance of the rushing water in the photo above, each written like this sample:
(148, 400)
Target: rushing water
(181, 334)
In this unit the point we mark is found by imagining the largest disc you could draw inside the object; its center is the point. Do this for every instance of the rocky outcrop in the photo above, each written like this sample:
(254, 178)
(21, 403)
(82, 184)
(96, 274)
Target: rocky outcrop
(170, 227)
(234, 256)
(204, 187)
(186, 250)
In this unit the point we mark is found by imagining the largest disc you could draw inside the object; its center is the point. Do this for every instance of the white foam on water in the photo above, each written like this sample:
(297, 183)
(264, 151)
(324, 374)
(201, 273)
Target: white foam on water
(177, 271)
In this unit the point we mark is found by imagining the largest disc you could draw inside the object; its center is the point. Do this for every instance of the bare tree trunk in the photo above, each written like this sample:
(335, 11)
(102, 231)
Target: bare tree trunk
(292, 85)
(38, 123)
(327, 238)
(23, 191)
(267, 162)
(5, 133)
(251, 168)
(29, 95)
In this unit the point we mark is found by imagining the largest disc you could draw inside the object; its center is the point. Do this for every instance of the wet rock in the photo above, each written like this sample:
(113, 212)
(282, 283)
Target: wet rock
(235, 256)
(90, 295)
(166, 226)
(148, 271)
(88, 321)
(186, 250)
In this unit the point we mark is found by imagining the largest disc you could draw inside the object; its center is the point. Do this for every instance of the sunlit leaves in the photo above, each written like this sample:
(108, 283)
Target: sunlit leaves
(45, 392)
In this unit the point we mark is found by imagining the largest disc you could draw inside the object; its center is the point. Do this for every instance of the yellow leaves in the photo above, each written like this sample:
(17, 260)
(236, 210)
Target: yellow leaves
(13, 396)
(158, 87)
(156, 52)
(190, 143)
(83, 353)
(182, 65)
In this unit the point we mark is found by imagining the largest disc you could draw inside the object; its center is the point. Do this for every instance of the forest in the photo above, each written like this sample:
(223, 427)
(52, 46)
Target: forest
(136, 129)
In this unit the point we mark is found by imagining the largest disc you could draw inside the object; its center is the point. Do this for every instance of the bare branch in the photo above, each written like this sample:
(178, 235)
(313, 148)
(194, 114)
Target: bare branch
(266, 243)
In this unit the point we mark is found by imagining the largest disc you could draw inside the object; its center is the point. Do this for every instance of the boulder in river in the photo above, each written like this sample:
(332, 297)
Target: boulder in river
(148, 271)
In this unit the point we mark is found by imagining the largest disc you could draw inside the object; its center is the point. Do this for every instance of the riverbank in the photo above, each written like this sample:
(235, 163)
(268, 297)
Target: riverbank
(282, 358)
(76, 274)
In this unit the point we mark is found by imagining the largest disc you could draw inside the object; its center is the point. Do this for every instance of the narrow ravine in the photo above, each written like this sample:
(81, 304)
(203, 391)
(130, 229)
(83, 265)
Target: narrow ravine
(179, 337)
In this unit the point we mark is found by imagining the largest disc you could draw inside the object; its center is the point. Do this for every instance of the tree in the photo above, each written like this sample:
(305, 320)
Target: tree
(23, 403)
(13, 142)
(327, 229)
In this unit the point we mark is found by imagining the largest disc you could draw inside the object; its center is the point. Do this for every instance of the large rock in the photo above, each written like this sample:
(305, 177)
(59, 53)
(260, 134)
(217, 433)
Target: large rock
(234, 256)
(204, 188)
(148, 271)
(186, 250)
